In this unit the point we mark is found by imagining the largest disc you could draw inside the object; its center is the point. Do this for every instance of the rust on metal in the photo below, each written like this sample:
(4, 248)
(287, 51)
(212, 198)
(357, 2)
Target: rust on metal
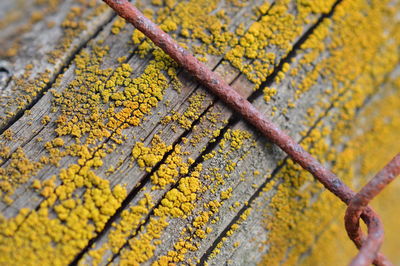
(241, 105)
(368, 244)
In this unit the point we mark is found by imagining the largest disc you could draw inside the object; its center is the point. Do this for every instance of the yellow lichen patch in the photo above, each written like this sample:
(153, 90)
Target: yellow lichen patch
(80, 105)
(118, 25)
(131, 219)
(7, 135)
(28, 85)
(149, 157)
(277, 28)
(177, 202)
(230, 232)
(142, 247)
(45, 120)
(37, 230)
(109, 101)
(192, 112)
(226, 194)
(202, 25)
(268, 93)
(96, 106)
(18, 171)
(170, 170)
(352, 81)
(100, 105)
(206, 212)
(338, 65)
(235, 138)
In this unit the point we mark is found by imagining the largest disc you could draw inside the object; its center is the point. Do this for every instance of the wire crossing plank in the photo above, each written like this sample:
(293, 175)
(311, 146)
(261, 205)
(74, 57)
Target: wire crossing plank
(191, 238)
(128, 158)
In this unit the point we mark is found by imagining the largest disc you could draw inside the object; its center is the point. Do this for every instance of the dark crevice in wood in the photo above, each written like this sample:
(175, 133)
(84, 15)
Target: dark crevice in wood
(293, 52)
(235, 219)
(135, 191)
(210, 146)
(266, 12)
(61, 71)
(5, 77)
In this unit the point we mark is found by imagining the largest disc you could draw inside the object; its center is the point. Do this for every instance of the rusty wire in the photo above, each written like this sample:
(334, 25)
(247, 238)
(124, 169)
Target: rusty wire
(358, 208)
(357, 205)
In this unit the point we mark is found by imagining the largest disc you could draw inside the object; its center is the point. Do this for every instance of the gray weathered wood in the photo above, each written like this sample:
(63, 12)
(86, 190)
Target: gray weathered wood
(256, 154)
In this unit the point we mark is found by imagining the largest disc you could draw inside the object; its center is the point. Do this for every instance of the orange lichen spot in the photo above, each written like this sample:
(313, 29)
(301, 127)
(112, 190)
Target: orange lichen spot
(45, 120)
(269, 93)
(118, 25)
(235, 138)
(8, 135)
(226, 194)
(178, 201)
(17, 171)
(192, 112)
(149, 157)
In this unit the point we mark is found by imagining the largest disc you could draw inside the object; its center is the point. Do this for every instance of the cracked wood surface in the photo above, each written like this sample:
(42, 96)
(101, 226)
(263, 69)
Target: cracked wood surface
(237, 168)
(38, 41)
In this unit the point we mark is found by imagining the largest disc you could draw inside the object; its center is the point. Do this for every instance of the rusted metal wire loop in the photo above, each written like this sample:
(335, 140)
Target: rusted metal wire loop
(357, 205)
(228, 95)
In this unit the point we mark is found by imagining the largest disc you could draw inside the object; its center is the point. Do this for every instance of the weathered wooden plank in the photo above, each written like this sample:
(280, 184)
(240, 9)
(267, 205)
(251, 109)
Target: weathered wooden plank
(247, 240)
(314, 221)
(31, 127)
(118, 48)
(39, 39)
(180, 130)
(174, 224)
(46, 174)
(215, 118)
